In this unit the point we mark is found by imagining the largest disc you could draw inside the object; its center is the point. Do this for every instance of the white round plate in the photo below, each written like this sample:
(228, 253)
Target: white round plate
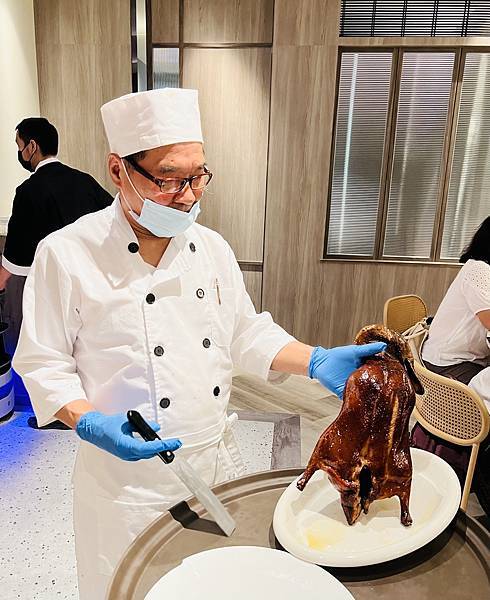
(245, 573)
(311, 524)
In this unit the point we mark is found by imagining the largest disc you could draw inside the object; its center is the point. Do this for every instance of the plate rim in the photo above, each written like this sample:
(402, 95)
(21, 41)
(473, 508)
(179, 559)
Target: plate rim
(309, 566)
(356, 559)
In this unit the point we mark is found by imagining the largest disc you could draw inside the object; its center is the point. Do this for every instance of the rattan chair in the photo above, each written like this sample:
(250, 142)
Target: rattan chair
(452, 411)
(401, 312)
(416, 336)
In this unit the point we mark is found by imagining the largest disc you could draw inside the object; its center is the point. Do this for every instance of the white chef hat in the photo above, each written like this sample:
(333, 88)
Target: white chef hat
(147, 120)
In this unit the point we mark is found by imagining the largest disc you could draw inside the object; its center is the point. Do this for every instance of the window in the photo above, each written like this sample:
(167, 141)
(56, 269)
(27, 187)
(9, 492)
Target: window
(423, 103)
(411, 158)
(468, 200)
(165, 67)
(459, 18)
(362, 110)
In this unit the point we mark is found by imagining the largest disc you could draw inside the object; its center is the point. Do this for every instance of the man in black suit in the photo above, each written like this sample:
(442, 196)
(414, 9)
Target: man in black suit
(53, 196)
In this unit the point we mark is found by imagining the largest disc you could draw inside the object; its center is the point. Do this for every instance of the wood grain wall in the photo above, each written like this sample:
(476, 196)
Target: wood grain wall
(84, 59)
(165, 21)
(321, 302)
(228, 21)
(234, 86)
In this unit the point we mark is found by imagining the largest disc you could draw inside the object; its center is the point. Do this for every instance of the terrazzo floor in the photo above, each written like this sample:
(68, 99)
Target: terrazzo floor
(37, 558)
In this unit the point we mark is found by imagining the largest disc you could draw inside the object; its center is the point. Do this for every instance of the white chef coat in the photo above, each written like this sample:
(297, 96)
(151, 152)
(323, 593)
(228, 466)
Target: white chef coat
(101, 324)
(456, 334)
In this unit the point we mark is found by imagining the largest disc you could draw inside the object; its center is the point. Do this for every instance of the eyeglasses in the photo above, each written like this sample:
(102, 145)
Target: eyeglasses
(174, 185)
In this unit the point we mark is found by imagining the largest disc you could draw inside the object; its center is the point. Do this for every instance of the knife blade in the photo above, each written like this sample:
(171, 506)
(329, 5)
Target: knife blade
(189, 477)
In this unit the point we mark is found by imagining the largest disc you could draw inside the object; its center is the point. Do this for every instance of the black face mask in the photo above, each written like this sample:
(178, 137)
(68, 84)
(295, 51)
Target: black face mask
(25, 163)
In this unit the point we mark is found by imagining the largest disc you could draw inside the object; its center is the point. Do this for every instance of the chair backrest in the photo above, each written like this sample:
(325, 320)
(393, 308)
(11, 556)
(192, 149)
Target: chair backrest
(401, 312)
(416, 336)
(452, 411)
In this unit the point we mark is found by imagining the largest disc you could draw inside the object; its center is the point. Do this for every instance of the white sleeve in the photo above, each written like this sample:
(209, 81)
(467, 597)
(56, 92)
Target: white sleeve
(481, 384)
(476, 286)
(256, 338)
(44, 356)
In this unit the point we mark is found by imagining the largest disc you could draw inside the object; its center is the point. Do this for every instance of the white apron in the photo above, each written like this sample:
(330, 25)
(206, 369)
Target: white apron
(105, 527)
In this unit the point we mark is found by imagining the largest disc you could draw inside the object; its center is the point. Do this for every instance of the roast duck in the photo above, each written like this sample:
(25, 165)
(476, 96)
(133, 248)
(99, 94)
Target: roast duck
(365, 452)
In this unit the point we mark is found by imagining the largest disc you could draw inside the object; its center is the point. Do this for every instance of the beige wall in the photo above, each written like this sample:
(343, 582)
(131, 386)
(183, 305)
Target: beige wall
(84, 60)
(19, 95)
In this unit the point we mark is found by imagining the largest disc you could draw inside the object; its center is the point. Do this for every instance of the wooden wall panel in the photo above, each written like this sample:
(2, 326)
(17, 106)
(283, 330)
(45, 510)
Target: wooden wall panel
(234, 89)
(165, 21)
(302, 105)
(349, 295)
(253, 283)
(84, 59)
(245, 21)
(306, 22)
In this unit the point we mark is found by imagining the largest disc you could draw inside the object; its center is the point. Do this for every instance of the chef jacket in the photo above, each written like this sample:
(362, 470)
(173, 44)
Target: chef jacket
(101, 324)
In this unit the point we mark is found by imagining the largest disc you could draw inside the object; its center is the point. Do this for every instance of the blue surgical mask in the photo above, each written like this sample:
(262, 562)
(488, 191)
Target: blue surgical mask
(162, 221)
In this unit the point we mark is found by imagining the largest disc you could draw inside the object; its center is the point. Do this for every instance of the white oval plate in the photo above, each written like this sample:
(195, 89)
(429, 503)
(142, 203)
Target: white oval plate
(311, 524)
(246, 573)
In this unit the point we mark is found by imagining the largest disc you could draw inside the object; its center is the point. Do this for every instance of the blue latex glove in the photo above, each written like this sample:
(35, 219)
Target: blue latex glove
(334, 366)
(114, 433)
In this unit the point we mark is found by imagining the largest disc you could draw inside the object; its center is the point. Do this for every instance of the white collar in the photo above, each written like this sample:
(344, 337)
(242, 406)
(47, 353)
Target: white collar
(123, 234)
(46, 161)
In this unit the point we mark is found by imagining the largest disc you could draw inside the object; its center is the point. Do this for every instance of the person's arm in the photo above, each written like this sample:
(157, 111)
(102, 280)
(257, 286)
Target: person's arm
(293, 358)
(22, 235)
(4, 277)
(262, 347)
(45, 360)
(476, 290)
(330, 366)
(484, 317)
(51, 321)
(70, 413)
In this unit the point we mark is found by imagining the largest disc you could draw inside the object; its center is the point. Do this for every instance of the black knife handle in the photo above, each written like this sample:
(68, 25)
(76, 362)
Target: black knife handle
(147, 433)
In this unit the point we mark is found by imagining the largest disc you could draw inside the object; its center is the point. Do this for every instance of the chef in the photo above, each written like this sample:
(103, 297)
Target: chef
(138, 307)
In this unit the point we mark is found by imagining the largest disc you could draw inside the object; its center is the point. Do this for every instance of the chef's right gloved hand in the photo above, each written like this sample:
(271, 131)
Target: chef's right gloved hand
(114, 434)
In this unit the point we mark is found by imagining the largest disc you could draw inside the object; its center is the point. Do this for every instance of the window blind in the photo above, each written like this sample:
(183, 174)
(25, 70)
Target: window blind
(423, 103)
(468, 202)
(362, 108)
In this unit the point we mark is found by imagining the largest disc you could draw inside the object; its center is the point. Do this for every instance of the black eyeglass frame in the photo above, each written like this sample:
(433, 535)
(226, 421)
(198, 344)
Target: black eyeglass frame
(161, 182)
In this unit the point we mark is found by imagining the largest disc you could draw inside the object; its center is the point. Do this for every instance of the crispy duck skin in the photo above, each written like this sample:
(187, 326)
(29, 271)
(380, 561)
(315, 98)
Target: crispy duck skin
(366, 452)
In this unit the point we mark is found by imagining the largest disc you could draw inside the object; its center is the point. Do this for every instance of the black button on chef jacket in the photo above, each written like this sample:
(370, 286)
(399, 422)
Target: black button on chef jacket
(54, 196)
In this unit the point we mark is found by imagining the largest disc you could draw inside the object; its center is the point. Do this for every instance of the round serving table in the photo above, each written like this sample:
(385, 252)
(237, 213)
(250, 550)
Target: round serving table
(454, 566)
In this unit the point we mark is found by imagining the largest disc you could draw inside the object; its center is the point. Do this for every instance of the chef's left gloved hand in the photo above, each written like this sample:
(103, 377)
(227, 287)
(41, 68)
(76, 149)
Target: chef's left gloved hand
(332, 367)
(114, 434)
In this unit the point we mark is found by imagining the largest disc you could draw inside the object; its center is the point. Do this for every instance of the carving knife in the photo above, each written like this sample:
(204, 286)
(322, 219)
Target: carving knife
(183, 470)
